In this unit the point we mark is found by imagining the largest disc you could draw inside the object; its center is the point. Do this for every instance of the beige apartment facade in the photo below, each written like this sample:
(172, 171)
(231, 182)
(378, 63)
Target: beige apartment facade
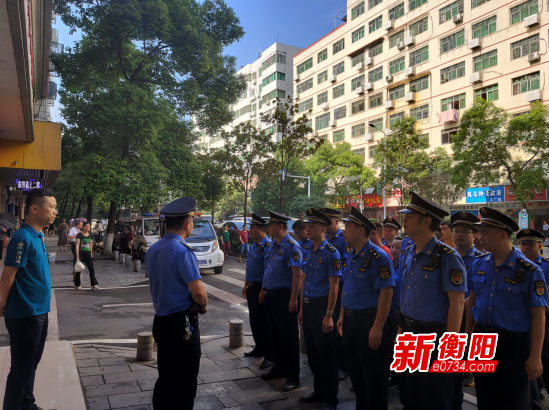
(424, 58)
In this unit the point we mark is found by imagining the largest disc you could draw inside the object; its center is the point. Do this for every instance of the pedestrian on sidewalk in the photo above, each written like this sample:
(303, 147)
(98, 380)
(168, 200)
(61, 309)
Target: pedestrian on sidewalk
(226, 241)
(84, 253)
(73, 233)
(63, 239)
(244, 246)
(51, 230)
(178, 298)
(2, 237)
(100, 230)
(545, 230)
(25, 293)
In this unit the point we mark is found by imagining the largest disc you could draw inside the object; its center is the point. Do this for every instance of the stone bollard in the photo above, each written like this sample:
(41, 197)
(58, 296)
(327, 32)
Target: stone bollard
(116, 255)
(128, 261)
(236, 333)
(121, 258)
(145, 344)
(302, 347)
(137, 265)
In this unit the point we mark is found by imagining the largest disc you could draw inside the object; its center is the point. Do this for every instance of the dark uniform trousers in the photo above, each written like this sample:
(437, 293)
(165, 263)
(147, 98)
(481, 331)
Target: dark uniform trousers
(320, 350)
(337, 339)
(284, 333)
(545, 354)
(258, 321)
(508, 387)
(367, 367)
(424, 390)
(458, 377)
(178, 362)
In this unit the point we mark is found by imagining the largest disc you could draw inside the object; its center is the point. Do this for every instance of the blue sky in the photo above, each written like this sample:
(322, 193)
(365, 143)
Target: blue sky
(295, 22)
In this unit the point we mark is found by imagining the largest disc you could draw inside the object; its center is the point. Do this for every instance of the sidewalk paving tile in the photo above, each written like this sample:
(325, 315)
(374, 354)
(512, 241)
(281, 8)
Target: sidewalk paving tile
(250, 397)
(232, 364)
(130, 399)
(251, 384)
(208, 366)
(137, 367)
(87, 363)
(92, 371)
(131, 376)
(227, 375)
(213, 389)
(255, 406)
(94, 355)
(98, 403)
(112, 389)
(92, 380)
(207, 403)
(144, 407)
(110, 361)
(147, 384)
(219, 357)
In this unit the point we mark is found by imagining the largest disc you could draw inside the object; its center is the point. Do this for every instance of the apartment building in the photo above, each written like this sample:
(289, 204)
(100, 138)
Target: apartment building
(428, 59)
(267, 78)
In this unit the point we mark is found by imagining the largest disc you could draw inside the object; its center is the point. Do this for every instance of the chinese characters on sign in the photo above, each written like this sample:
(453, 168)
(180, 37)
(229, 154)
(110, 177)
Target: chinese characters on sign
(484, 194)
(28, 184)
(370, 201)
(538, 194)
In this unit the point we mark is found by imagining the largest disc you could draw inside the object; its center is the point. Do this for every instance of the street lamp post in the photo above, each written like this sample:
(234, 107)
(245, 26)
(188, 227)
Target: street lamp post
(384, 169)
(308, 183)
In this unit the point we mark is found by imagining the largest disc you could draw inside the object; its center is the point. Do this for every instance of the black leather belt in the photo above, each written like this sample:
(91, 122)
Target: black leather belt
(486, 329)
(275, 292)
(250, 284)
(362, 312)
(315, 300)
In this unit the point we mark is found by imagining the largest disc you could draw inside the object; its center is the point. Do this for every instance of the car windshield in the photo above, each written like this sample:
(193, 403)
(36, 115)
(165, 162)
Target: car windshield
(152, 226)
(203, 228)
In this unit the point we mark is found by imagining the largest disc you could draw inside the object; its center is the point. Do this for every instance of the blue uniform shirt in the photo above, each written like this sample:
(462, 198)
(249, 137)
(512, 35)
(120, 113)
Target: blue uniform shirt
(31, 291)
(396, 292)
(468, 260)
(543, 263)
(306, 244)
(318, 266)
(171, 265)
(384, 242)
(503, 301)
(424, 286)
(255, 264)
(278, 264)
(365, 273)
(338, 241)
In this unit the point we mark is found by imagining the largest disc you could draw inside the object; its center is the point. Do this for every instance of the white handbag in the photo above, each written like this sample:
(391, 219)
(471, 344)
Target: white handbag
(79, 266)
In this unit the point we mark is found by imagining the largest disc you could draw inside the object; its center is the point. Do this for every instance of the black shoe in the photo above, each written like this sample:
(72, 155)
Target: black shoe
(311, 398)
(342, 375)
(265, 364)
(270, 376)
(468, 380)
(290, 386)
(253, 353)
(352, 389)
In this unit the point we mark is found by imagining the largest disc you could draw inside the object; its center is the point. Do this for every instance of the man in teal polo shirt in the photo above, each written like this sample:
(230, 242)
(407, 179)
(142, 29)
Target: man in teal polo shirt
(25, 292)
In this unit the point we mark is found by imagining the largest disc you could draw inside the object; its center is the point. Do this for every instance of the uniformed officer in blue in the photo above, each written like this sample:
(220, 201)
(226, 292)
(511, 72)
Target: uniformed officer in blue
(299, 230)
(255, 268)
(321, 271)
(434, 285)
(390, 231)
(178, 298)
(368, 277)
(508, 297)
(334, 236)
(280, 294)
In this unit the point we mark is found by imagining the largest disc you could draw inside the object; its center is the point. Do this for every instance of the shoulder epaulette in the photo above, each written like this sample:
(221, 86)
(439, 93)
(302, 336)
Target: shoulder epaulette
(409, 247)
(527, 265)
(478, 253)
(290, 242)
(545, 259)
(183, 243)
(444, 248)
(267, 244)
(331, 247)
(376, 255)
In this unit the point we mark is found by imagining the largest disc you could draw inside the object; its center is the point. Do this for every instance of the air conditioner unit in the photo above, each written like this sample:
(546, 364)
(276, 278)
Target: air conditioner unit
(533, 95)
(388, 132)
(531, 20)
(333, 78)
(389, 105)
(296, 98)
(410, 71)
(409, 40)
(368, 61)
(359, 66)
(360, 90)
(332, 123)
(296, 78)
(475, 77)
(474, 43)
(533, 57)
(389, 78)
(458, 18)
(400, 45)
(324, 106)
(389, 25)
(409, 97)
(368, 137)
(368, 86)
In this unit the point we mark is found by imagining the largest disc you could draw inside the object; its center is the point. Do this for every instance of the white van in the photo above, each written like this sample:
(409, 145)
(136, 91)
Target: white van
(206, 246)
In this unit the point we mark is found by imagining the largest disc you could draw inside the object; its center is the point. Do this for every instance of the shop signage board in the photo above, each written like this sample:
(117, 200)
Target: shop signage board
(484, 194)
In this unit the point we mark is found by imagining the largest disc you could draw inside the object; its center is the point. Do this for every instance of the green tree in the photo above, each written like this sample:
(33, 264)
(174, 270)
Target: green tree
(404, 160)
(214, 185)
(491, 147)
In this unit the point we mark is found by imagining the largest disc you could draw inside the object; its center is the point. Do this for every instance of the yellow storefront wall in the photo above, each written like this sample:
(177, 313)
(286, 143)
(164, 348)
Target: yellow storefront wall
(44, 153)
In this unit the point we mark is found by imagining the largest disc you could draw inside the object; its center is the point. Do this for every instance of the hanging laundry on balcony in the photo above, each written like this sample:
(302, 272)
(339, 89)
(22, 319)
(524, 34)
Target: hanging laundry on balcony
(448, 116)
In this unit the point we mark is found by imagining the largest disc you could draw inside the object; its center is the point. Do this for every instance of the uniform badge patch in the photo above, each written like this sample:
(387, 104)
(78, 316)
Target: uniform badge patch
(463, 214)
(319, 260)
(337, 264)
(511, 281)
(295, 256)
(384, 272)
(280, 253)
(540, 287)
(456, 277)
(349, 248)
(429, 268)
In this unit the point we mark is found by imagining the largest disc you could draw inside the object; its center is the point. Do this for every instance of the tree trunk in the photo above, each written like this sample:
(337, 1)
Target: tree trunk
(80, 206)
(64, 204)
(72, 209)
(281, 194)
(109, 237)
(245, 207)
(90, 208)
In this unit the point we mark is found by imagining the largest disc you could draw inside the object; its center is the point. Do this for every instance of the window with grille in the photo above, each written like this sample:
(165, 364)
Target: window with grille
(397, 66)
(357, 82)
(358, 130)
(276, 58)
(447, 135)
(306, 105)
(446, 13)
(340, 45)
(372, 151)
(322, 98)
(489, 93)
(273, 77)
(419, 26)
(375, 125)
(339, 68)
(524, 47)
(375, 100)
(358, 34)
(304, 86)
(396, 93)
(419, 56)
(476, 3)
(339, 91)
(375, 75)
(373, 3)
(322, 121)
(526, 83)
(419, 84)
(395, 117)
(323, 55)
(359, 58)
(357, 10)
(396, 12)
(305, 65)
(420, 113)
(457, 102)
(523, 10)
(358, 106)
(375, 24)
(340, 112)
(486, 60)
(413, 4)
(323, 76)
(452, 72)
(360, 152)
(375, 50)
(485, 27)
(339, 136)
(396, 38)
(452, 41)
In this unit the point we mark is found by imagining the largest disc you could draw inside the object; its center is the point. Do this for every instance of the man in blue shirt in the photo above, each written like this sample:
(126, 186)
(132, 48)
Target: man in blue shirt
(508, 297)
(299, 230)
(280, 294)
(434, 284)
(178, 298)
(255, 267)
(392, 327)
(321, 271)
(368, 277)
(390, 231)
(25, 293)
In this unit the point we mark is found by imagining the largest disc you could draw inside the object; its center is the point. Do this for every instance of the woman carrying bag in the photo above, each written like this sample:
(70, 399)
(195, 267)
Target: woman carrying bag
(84, 253)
